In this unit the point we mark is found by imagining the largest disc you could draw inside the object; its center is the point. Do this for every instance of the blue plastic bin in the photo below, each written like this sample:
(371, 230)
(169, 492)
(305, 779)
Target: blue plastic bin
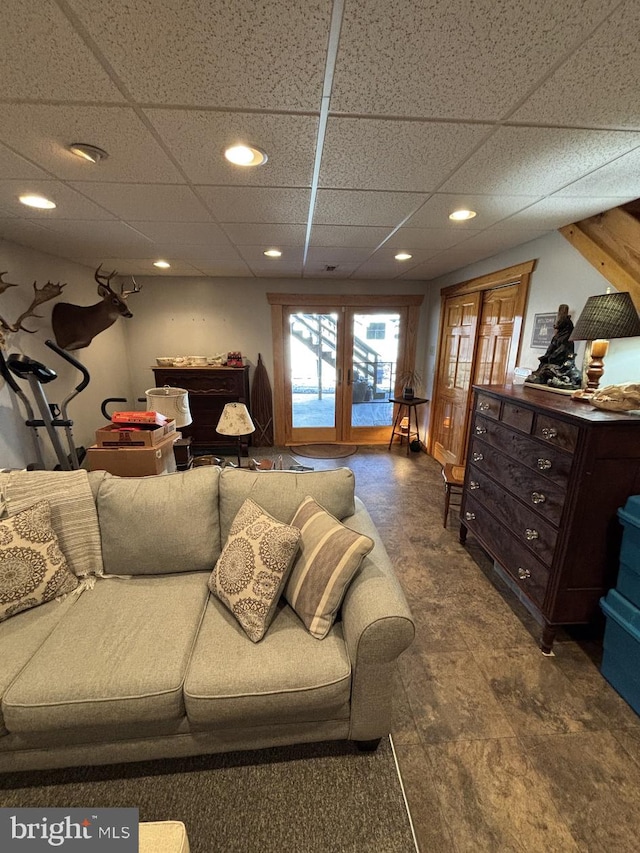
(629, 573)
(621, 656)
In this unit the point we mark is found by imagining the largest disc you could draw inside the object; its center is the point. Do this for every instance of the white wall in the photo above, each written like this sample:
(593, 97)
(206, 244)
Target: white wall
(561, 275)
(205, 316)
(105, 358)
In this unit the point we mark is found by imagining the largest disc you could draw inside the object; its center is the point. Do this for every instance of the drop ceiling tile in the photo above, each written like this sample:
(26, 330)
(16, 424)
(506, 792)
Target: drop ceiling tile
(43, 132)
(158, 202)
(197, 233)
(452, 58)
(431, 240)
(255, 257)
(597, 86)
(434, 213)
(321, 256)
(350, 236)
(558, 210)
(498, 238)
(224, 269)
(619, 178)
(168, 250)
(136, 266)
(22, 231)
(266, 235)
(257, 204)
(14, 166)
(44, 58)
(198, 140)
(111, 232)
(214, 54)
(318, 270)
(378, 154)
(384, 265)
(70, 204)
(353, 207)
(536, 160)
(284, 272)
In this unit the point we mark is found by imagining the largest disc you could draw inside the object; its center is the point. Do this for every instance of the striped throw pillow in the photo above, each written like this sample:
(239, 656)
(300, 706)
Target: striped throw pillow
(330, 555)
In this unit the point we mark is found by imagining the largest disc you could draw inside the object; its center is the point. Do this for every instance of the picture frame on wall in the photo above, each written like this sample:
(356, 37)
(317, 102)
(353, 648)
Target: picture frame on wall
(543, 329)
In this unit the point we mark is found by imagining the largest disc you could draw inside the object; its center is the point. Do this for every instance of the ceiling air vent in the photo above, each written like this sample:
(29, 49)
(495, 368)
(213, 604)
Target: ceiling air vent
(330, 267)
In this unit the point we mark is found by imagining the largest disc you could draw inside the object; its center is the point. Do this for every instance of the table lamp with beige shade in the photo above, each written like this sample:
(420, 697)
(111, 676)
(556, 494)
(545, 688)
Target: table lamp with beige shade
(235, 420)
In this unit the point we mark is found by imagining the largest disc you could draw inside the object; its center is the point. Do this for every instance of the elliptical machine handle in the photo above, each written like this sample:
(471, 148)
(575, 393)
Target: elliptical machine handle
(74, 362)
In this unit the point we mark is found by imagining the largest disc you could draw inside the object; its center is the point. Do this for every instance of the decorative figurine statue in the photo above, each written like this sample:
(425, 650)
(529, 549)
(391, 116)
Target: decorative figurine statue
(557, 367)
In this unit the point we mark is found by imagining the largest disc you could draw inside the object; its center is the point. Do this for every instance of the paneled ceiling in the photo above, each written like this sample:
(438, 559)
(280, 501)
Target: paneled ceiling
(379, 118)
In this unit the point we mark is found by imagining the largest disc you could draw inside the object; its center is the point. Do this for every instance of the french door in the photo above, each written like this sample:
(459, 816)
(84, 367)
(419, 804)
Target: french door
(335, 369)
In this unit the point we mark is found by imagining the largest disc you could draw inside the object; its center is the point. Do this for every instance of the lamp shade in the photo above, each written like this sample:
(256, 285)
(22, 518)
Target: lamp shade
(235, 420)
(611, 315)
(171, 402)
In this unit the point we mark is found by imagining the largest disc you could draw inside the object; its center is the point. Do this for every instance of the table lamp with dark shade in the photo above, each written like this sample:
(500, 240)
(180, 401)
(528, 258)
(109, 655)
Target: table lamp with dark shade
(611, 315)
(235, 420)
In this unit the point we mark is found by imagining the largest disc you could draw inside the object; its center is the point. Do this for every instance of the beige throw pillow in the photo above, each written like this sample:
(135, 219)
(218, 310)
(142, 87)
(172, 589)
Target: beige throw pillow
(330, 555)
(33, 569)
(253, 567)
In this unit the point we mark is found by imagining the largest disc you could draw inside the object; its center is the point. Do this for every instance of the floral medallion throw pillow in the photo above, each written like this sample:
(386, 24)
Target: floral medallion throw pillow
(33, 569)
(253, 567)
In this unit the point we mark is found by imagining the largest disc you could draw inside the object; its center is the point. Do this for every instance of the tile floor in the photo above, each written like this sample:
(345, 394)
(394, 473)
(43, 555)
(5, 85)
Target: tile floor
(500, 748)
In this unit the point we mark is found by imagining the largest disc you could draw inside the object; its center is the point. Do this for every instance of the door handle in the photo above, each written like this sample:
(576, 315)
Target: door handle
(339, 376)
(349, 376)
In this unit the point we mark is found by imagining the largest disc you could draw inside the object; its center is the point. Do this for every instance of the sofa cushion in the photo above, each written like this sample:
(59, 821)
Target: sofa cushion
(160, 525)
(253, 567)
(73, 512)
(22, 636)
(280, 492)
(118, 657)
(288, 677)
(33, 569)
(330, 555)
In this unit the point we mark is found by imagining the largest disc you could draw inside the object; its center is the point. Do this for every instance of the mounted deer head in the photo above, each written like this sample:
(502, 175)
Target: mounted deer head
(75, 326)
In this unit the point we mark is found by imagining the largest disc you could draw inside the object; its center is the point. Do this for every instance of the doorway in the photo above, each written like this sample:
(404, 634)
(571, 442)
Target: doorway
(336, 364)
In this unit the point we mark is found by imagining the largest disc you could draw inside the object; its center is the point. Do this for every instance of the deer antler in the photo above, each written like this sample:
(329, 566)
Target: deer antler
(5, 284)
(44, 294)
(105, 278)
(136, 289)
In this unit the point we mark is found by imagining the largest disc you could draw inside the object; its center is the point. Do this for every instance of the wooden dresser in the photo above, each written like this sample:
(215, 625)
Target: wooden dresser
(545, 476)
(210, 388)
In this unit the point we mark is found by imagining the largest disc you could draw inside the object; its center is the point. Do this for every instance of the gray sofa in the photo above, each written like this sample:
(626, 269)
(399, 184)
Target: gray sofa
(145, 663)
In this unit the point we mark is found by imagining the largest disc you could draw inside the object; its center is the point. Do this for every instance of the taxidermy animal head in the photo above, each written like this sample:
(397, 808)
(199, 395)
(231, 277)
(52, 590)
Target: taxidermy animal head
(75, 326)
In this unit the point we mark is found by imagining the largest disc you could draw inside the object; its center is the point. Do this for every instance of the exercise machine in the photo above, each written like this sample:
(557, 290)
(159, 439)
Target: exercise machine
(52, 417)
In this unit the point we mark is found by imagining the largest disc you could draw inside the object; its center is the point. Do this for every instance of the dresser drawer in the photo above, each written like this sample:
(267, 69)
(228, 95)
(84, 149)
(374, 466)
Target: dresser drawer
(517, 416)
(553, 464)
(543, 496)
(556, 433)
(529, 573)
(489, 406)
(528, 528)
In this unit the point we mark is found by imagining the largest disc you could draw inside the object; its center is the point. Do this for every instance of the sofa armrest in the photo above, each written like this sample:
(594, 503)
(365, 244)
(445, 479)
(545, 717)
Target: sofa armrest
(377, 627)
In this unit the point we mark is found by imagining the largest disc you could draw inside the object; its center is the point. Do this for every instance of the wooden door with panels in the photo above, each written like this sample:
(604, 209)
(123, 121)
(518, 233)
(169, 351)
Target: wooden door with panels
(480, 329)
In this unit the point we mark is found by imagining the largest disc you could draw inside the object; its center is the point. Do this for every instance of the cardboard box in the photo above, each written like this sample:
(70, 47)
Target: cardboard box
(134, 461)
(115, 435)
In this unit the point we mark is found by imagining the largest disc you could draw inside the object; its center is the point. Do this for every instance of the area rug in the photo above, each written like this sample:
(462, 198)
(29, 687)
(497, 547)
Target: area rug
(311, 798)
(324, 451)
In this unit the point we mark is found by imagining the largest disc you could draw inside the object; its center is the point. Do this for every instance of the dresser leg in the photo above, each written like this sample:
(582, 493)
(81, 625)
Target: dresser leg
(463, 534)
(547, 638)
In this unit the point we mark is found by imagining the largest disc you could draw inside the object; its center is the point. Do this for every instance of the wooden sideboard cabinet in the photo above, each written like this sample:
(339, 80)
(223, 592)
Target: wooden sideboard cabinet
(545, 476)
(210, 388)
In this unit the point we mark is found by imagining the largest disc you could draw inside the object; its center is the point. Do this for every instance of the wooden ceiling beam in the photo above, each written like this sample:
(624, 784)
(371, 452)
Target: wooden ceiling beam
(610, 241)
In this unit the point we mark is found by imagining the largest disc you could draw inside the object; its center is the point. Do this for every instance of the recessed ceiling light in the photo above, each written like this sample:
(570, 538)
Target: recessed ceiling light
(273, 253)
(88, 152)
(461, 215)
(163, 265)
(245, 155)
(38, 201)
(403, 256)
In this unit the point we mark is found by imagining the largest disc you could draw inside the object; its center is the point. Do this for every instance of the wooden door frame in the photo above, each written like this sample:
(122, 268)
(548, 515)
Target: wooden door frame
(518, 274)
(282, 303)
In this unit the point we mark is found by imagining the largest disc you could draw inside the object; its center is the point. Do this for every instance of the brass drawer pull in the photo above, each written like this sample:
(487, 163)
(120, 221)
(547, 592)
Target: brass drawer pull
(478, 457)
(473, 485)
(470, 516)
(549, 432)
(544, 464)
(531, 534)
(538, 497)
(523, 574)
(480, 430)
